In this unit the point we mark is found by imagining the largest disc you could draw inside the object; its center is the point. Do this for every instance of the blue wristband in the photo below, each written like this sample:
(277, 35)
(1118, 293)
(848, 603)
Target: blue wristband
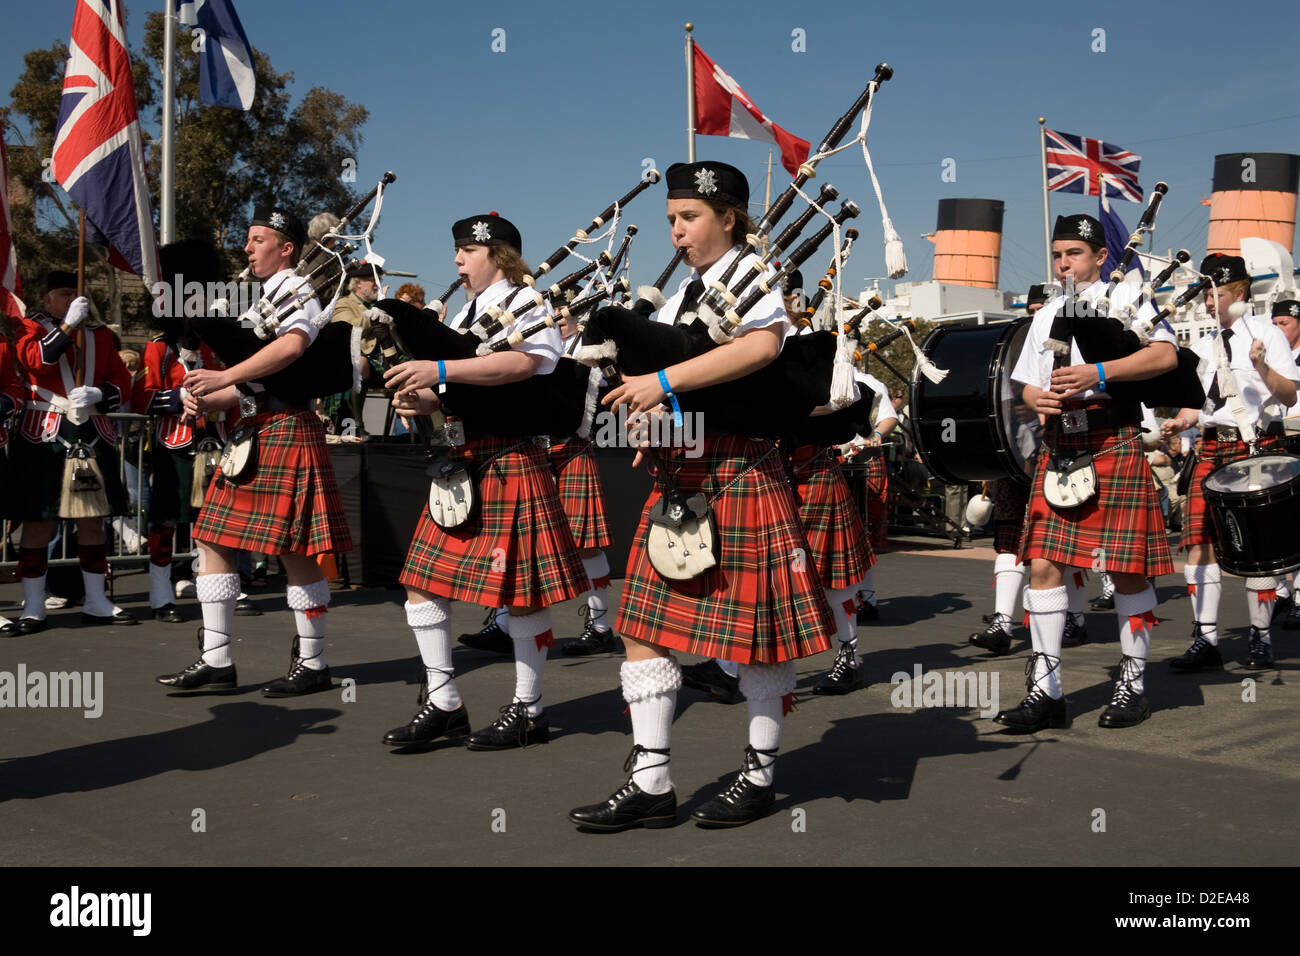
(1101, 378)
(668, 392)
(442, 376)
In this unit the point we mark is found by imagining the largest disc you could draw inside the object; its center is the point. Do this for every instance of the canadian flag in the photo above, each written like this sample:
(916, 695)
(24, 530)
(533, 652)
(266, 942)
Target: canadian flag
(723, 109)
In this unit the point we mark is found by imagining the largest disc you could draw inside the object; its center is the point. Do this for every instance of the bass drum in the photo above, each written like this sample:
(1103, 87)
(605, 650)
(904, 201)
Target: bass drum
(1254, 504)
(973, 426)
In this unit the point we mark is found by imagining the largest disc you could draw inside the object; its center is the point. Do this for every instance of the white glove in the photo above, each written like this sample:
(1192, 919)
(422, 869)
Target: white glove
(377, 317)
(77, 312)
(85, 396)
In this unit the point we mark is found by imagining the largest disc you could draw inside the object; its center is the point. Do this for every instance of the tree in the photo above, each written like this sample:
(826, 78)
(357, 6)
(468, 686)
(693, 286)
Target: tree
(227, 161)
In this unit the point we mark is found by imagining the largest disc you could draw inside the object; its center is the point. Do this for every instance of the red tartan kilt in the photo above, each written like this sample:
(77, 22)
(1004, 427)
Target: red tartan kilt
(1197, 527)
(763, 603)
(1121, 525)
(830, 520)
(581, 494)
(291, 504)
(1010, 500)
(877, 478)
(516, 549)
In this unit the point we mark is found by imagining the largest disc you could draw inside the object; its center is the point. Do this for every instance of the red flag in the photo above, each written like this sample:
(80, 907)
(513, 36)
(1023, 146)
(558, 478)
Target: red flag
(11, 285)
(723, 109)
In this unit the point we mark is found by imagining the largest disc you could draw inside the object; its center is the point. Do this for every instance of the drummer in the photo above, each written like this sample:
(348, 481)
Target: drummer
(1286, 316)
(1246, 356)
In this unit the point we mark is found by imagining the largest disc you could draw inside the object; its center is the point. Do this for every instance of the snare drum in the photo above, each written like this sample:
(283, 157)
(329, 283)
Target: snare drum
(973, 426)
(1254, 504)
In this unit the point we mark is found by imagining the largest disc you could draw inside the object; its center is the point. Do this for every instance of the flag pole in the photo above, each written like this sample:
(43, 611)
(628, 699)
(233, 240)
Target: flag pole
(167, 188)
(690, 93)
(79, 340)
(1047, 231)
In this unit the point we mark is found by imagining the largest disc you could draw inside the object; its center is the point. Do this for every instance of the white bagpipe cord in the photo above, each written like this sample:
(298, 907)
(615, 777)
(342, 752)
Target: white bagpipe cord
(844, 386)
(895, 255)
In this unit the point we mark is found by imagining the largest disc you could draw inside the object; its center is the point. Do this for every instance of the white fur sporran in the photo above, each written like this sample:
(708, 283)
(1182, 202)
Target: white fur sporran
(1071, 483)
(206, 459)
(681, 538)
(451, 494)
(83, 485)
(239, 457)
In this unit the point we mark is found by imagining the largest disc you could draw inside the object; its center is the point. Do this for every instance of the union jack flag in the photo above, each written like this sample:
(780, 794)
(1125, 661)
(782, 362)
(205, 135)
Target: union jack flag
(1075, 162)
(98, 150)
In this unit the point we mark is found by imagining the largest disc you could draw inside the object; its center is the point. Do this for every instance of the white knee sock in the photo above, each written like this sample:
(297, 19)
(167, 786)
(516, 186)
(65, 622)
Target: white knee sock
(1135, 623)
(160, 585)
(217, 594)
(1261, 595)
(650, 688)
(531, 634)
(1205, 585)
(844, 610)
(431, 622)
(1047, 609)
(34, 598)
(1076, 583)
(310, 603)
(764, 686)
(597, 569)
(867, 588)
(1008, 577)
(1283, 587)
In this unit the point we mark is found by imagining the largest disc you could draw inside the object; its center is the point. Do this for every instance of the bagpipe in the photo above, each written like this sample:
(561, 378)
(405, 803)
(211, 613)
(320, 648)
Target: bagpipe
(1102, 337)
(329, 365)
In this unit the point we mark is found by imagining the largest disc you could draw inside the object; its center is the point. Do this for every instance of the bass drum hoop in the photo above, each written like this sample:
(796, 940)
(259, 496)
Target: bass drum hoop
(1000, 367)
(1223, 508)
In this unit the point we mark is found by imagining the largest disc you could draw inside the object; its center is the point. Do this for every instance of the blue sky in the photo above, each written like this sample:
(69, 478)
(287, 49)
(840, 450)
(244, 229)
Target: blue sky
(551, 130)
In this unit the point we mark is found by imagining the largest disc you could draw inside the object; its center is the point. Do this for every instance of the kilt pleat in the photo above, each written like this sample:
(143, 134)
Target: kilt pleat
(517, 548)
(877, 480)
(763, 603)
(830, 520)
(1197, 526)
(582, 496)
(1121, 526)
(290, 505)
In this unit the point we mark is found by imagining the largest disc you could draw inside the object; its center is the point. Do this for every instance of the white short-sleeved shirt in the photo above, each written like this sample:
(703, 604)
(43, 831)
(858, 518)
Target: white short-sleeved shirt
(885, 409)
(768, 311)
(305, 318)
(1034, 367)
(547, 344)
(1293, 413)
(1254, 393)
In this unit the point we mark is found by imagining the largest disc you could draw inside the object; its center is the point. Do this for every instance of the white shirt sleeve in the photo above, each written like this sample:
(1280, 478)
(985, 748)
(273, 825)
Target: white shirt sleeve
(307, 316)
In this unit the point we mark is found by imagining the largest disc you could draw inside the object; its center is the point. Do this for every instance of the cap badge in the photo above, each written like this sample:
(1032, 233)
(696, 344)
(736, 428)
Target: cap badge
(1294, 310)
(1085, 228)
(482, 233)
(1224, 274)
(706, 181)
(277, 220)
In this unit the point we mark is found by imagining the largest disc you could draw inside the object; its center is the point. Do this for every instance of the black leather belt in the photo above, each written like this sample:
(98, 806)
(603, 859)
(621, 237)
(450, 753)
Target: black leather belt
(1075, 421)
(1231, 433)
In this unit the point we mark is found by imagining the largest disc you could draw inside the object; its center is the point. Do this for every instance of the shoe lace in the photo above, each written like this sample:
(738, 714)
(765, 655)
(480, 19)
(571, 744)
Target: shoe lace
(425, 697)
(741, 784)
(1200, 643)
(202, 650)
(589, 621)
(1130, 669)
(1256, 641)
(1037, 692)
(297, 663)
(845, 663)
(998, 624)
(638, 750)
(515, 714)
(1072, 626)
(489, 622)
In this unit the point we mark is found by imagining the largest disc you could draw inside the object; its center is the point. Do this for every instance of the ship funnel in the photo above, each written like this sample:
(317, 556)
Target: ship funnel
(968, 242)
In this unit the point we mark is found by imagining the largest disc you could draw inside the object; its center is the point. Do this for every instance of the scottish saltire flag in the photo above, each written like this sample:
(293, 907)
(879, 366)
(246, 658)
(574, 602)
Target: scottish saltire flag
(1074, 164)
(1116, 238)
(98, 151)
(226, 60)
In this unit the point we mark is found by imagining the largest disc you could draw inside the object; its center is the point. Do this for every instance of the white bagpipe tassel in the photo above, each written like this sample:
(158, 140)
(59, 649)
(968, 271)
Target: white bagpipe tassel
(355, 346)
(895, 256)
(844, 390)
(931, 371)
(594, 378)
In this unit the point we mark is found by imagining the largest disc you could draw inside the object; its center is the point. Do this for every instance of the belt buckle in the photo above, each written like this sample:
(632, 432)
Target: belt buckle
(1075, 421)
(1228, 433)
(454, 432)
(248, 406)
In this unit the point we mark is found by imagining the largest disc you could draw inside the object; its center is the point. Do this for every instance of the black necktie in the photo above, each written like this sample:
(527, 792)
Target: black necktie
(690, 298)
(469, 317)
(1213, 394)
